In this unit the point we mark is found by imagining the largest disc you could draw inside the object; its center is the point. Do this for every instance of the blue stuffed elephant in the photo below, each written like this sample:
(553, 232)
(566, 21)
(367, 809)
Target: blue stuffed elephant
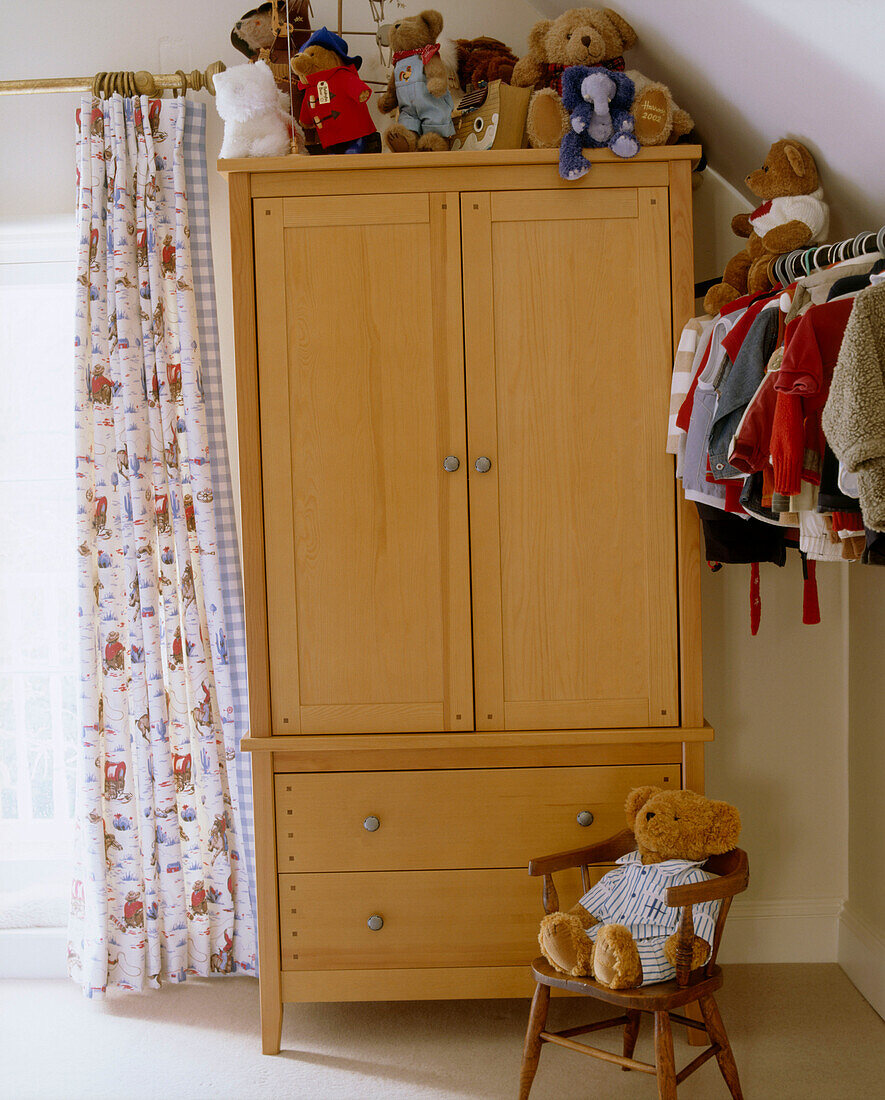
(598, 101)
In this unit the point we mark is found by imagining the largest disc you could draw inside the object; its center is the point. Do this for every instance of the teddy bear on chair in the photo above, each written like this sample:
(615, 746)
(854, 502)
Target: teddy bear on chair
(622, 932)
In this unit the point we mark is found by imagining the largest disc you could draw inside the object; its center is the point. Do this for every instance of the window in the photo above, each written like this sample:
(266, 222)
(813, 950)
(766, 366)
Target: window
(39, 665)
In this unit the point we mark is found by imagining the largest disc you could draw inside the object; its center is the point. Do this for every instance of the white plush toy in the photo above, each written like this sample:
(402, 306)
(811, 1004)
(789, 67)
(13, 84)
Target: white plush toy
(247, 99)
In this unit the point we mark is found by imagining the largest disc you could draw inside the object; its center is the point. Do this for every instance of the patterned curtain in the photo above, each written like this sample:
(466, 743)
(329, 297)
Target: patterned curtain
(161, 881)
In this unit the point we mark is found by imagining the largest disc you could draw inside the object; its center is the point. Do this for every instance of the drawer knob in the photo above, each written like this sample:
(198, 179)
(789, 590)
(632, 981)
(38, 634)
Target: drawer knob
(585, 818)
(450, 464)
(371, 824)
(375, 922)
(482, 465)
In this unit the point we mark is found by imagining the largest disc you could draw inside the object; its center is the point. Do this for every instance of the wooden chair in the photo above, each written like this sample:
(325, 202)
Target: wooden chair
(689, 986)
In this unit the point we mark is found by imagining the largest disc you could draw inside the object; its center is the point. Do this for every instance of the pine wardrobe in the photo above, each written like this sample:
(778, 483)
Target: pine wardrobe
(471, 592)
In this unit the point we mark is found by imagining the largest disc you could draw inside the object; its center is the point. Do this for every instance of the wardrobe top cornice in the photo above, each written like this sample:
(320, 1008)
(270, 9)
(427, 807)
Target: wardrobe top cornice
(492, 158)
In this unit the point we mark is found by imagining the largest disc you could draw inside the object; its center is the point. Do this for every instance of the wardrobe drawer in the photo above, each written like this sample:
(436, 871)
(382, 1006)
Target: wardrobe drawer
(484, 817)
(427, 918)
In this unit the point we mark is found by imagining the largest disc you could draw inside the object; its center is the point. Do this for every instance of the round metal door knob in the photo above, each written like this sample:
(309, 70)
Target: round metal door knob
(375, 922)
(450, 464)
(371, 824)
(585, 818)
(482, 465)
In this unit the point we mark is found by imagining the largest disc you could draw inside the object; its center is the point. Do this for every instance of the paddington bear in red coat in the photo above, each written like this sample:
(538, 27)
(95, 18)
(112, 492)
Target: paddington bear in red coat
(335, 99)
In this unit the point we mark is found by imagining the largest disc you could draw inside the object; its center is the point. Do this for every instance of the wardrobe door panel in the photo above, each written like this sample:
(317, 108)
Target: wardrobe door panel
(362, 400)
(567, 326)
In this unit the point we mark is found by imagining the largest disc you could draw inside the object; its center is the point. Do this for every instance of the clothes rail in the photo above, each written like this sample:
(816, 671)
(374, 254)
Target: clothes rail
(802, 261)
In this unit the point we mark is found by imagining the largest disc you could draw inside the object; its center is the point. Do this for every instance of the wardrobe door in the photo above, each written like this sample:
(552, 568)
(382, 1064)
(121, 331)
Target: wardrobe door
(572, 522)
(362, 402)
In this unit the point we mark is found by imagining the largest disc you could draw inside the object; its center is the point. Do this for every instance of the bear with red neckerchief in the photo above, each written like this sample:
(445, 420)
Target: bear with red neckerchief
(792, 214)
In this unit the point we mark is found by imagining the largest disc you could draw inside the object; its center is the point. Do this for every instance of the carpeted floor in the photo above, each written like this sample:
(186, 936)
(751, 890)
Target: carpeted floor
(799, 1032)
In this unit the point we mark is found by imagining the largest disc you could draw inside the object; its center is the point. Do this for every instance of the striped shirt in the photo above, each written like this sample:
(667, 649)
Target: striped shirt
(634, 894)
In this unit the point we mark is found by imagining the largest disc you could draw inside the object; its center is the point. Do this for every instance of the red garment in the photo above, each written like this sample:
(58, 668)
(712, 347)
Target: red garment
(802, 385)
(332, 105)
(113, 650)
(751, 445)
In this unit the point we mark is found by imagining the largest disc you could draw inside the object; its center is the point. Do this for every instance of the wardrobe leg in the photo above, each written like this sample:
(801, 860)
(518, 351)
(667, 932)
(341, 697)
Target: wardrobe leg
(271, 1024)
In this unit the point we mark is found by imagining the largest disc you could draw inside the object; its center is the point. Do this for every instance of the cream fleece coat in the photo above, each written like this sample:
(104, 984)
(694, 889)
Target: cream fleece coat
(854, 415)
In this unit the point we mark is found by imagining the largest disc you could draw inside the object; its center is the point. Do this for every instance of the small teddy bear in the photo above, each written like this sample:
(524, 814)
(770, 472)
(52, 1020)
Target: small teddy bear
(793, 215)
(255, 121)
(599, 102)
(622, 932)
(418, 86)
(335, 98)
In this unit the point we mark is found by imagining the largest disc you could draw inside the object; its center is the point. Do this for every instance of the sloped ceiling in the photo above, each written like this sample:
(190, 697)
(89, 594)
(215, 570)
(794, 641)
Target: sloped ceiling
(753, 71)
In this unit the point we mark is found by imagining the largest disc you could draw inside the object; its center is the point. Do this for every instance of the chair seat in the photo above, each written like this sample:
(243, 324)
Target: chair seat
(661, 997)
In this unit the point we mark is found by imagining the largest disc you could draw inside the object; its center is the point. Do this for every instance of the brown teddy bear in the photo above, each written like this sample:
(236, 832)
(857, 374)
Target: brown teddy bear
(792, 216)
(482, 60)
(589, 36)
(622, 932)
(418, 86)
(335, 98)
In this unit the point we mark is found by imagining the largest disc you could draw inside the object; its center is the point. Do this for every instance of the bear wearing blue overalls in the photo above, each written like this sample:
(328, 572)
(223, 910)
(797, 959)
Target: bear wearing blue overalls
(418, 86)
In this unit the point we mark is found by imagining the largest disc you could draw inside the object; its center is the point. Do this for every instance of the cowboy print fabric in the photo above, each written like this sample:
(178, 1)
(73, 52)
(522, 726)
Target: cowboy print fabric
(160, 886)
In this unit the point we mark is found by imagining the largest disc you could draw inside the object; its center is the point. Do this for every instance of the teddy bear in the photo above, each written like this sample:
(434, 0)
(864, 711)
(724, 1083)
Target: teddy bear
(254, 115)
(599, 102)
(418, 86)
(589, 36)
(335, 98)
(792, 215)
(622, 932)
(482, 60)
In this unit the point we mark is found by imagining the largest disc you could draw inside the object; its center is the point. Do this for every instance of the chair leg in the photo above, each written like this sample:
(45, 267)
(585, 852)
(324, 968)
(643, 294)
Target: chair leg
(664, 1058)
(725, 1058)
(631, 1031)
(532, 1050)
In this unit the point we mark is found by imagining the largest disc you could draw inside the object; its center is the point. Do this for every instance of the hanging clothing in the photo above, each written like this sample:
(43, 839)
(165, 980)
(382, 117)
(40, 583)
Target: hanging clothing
(854, 414)
(160, 863)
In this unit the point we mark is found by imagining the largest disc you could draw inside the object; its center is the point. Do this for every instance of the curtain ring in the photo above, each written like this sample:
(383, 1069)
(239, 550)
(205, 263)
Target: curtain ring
(96, 85)
(108, 85)
(182, 90)
(880, 240)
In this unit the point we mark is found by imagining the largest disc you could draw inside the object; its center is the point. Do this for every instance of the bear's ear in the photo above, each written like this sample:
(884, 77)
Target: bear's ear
(537, 37)
(434, 22)
(636, 799)
(723, 829)
(795, 159)
(628, 35)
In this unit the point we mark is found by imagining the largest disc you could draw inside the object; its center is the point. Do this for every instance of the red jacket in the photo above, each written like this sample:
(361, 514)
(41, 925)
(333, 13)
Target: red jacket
(332, 104)
(803, 384)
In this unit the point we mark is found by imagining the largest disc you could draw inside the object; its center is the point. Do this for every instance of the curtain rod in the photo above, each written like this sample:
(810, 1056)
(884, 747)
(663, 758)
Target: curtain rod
(145, 83)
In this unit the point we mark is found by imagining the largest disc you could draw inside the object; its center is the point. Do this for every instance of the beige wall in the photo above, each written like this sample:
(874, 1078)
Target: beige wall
(862, 928)
(778, 700)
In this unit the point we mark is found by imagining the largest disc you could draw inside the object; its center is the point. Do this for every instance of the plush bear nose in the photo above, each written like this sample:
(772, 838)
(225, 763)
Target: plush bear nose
(586, 40)
(648, 817)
